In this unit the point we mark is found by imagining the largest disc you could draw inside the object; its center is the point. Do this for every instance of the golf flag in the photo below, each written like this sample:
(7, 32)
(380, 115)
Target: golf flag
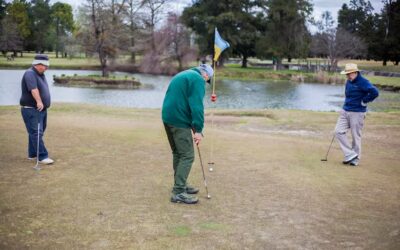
(219, 45)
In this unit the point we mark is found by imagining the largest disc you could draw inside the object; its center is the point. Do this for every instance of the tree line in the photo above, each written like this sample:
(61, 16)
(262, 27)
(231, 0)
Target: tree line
(280, 29)
(34, 26)
(165, 42)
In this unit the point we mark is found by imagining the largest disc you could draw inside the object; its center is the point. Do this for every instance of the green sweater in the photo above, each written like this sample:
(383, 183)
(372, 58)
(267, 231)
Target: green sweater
(183, 103)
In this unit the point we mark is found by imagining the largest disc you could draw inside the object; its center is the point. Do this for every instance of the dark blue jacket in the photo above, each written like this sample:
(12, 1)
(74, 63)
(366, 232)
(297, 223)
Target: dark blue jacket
(357, 91)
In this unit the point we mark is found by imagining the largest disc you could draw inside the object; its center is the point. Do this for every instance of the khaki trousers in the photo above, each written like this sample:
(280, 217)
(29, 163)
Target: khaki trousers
(355, 122)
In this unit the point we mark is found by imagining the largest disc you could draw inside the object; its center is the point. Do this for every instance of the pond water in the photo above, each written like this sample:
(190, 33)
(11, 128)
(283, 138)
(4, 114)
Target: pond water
(232, 94)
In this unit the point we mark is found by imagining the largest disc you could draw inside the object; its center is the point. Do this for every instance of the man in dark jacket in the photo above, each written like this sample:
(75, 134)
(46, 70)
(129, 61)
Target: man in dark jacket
(35, 100)
(182, 114)
(359, 92)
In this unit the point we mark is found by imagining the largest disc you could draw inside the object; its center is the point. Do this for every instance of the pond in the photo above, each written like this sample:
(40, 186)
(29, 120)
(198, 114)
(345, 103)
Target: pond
(232, 94)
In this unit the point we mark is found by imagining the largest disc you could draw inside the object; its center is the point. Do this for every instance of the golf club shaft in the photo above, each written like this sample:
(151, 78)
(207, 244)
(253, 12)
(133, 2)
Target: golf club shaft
(37, 145)
(202, 169)
(330, 145)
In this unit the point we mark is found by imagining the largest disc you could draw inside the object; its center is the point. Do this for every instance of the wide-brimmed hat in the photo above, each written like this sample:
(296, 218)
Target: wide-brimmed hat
(349, 68)
(41, 59)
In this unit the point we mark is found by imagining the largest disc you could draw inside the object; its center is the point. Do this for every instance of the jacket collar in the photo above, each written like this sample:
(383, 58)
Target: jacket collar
(357, 77)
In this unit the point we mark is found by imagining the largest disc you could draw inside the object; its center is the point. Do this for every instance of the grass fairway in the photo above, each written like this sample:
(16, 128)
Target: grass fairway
(111, 183)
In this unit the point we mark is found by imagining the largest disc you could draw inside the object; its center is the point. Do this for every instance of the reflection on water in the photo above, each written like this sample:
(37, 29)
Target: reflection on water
(231, 93)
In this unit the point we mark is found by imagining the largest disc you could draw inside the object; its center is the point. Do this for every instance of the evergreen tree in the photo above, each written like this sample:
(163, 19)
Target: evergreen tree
(286, 33)
(18, 12)
(358, 19)
(63, 23)
(10, 39)
(40, 15)
(3, 6)
(238, 21)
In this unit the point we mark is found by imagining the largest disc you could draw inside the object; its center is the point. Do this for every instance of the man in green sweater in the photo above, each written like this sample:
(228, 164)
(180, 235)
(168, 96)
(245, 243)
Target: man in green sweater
(182, 113)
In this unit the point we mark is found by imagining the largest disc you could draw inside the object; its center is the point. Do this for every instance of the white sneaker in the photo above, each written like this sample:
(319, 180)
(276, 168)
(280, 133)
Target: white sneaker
(354, 162)
(46, 161)
(350, 158)
(32, 158)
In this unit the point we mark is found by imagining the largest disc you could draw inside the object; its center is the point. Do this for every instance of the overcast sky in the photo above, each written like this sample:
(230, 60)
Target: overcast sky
(319, 5)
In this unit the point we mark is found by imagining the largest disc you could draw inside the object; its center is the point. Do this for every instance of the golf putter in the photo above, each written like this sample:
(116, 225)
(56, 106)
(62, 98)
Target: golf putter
(326, 157)
(202, 169)
(37, 167)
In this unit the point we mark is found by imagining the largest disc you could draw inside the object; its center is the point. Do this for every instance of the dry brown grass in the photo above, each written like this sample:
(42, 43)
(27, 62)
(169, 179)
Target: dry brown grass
(110, 185)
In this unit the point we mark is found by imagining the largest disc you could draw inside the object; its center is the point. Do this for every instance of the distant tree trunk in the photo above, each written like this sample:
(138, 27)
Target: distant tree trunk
(279, 63)
(180, 64)
(57, 37)
(103, 62)
(333, 66)
(289, 59)
(220, 62)
(244, 61)
(133, 53)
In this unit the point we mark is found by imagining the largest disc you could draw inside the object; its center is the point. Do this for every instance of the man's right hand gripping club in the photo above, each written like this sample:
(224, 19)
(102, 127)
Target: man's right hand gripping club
(197, 137)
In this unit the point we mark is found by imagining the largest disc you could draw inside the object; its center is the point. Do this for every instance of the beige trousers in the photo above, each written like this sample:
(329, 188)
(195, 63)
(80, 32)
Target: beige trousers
(355, 122)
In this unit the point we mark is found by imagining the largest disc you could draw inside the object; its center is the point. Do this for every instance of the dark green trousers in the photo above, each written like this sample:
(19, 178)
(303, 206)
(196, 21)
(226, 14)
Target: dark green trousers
(181, 142)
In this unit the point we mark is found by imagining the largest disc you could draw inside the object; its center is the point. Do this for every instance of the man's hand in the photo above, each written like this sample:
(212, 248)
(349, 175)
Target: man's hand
(36, 96)
(197, 138)
(363, 104)
(39, 106)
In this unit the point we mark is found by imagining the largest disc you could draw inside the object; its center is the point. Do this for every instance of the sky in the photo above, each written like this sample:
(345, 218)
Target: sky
(319, 5)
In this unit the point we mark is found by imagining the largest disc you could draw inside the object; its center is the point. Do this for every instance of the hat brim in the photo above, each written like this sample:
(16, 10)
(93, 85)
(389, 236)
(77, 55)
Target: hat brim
(43, 62)
(348, 72)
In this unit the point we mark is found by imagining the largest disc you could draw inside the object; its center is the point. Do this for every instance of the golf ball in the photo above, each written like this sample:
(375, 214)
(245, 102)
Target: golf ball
(209, 196)
(210, 169)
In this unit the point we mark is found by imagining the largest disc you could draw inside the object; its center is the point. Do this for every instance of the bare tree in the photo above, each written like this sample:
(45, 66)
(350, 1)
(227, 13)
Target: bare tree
(102, 31)
(335, 43)
(153, 9)
(134, 22)
(172, 48)
(177, 38)
(152, 15)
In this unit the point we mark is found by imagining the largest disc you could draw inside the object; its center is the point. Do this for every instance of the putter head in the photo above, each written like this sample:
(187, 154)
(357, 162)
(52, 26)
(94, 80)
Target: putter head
(324, 159)
(37, 168)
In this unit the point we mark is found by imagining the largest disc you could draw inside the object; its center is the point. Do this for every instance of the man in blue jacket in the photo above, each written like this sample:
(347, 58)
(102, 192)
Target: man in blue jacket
(359, 92)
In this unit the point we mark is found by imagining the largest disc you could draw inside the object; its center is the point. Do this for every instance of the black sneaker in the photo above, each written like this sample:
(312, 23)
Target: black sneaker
(184, 198)
(191, 190)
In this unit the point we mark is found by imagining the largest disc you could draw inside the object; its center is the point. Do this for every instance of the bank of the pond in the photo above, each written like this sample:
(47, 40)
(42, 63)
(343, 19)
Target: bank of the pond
(386, 83)
(228, 72)
(96, 81)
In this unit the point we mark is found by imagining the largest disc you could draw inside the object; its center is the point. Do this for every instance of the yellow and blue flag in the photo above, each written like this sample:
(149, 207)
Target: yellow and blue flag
(219, 45)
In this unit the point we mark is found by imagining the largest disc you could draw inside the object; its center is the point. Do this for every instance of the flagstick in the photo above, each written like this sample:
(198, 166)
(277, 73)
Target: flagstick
(213, 90)
(211, 163)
